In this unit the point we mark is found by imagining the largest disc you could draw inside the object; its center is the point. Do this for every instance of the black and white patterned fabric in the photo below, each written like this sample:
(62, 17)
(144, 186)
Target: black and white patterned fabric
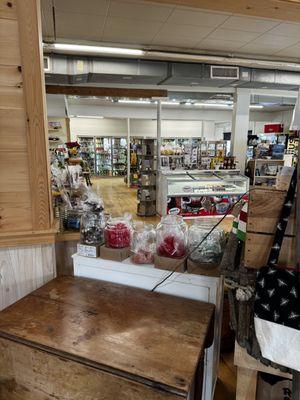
(277, 294)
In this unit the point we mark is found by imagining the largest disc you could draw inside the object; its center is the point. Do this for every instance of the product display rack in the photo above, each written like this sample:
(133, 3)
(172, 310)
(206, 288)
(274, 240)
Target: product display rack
(119, 156)
(146, 194)
(211, 152)
(263, 172)
(87, 151)
(103, 156)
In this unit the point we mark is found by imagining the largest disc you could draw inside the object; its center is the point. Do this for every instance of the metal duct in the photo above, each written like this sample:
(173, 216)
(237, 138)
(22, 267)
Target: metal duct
(95, 70)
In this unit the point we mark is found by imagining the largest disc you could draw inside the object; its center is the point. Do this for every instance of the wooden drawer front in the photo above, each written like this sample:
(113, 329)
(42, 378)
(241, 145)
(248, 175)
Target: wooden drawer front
(30, 374)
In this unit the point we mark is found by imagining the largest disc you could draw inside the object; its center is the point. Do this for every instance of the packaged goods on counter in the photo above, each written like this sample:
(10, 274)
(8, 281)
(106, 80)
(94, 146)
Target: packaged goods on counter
(118, 232)
(143, 243)
(210, 251)
(171, 237)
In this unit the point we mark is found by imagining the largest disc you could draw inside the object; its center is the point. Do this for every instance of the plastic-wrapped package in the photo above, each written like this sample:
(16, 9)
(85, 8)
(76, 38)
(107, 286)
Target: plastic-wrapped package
(92, 228)
(171, 237)
(210, 251)
(143, 243)
(118, 232)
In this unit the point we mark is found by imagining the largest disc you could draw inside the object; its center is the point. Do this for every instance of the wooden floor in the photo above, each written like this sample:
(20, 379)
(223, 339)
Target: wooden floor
(119, 199)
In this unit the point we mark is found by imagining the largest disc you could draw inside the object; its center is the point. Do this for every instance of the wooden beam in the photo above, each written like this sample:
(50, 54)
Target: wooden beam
(286, 10)
(104, 91)
(30, 37)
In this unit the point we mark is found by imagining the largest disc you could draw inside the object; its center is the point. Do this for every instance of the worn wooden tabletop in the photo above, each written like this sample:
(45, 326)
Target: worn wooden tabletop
(153, 338)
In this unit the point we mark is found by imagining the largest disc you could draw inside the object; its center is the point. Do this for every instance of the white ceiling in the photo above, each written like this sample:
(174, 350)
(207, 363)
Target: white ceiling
(156, 26)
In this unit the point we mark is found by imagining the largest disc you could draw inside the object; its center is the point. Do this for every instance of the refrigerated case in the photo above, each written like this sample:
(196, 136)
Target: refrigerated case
(103, 156)
(87, 151)
(199, 193)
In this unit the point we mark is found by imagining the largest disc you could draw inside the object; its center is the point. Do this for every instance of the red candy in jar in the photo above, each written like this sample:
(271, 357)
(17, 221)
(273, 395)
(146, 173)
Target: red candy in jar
(171, 237)
(171, 246)
(117, 234)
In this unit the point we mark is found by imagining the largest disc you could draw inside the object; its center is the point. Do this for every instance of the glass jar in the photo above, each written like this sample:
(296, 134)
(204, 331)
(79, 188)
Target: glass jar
(171, 237)
(118, 233)
(143, 243)
(92, 228)
(210, 251)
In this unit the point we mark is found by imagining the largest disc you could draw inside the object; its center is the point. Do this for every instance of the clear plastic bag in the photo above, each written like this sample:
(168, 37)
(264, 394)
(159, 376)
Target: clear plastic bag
(171, 237)
(143, 243)
(210, 251)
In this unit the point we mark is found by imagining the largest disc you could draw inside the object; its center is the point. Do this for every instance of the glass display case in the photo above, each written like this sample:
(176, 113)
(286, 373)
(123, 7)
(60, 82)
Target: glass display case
(199, 193)
(103, 156)
(119, 156)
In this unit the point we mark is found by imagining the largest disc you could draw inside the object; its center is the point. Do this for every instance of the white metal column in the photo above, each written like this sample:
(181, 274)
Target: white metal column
(158, 134)
(128, 152)
(240, 126)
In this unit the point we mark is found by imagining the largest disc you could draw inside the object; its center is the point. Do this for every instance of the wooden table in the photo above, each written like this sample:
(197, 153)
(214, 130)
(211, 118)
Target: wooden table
(77, 338)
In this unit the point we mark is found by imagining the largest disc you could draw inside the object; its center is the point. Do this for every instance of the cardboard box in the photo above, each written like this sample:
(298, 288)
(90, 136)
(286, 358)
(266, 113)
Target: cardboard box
(206, 269)
(170, 263)
(86, 250)
(114, 254)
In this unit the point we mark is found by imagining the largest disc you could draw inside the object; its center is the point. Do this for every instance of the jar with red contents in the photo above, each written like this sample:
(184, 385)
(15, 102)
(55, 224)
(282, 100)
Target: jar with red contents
(118, 233)
(171, 237)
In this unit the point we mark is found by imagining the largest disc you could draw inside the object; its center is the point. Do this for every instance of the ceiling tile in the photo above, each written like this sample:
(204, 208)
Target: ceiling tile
(249, 24)
(199, 18)
(83, 7)
(180, 42)
(231, 34)
(123, 30)
(271, 39)
(140, 11)
(79, 26)
(287, 29)
(266, 49)
(185, 31)
(292, 51)
(218, 45)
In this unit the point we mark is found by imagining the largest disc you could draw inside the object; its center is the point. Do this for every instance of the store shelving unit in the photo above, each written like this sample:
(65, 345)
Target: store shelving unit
(211, 150)
(87, 151)
(119, 156)
(147, 178)
(263, 172)
(103, 156)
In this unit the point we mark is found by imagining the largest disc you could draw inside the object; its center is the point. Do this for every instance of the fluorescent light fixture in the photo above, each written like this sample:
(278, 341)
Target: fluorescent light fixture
(214, 105)
(78, 48)
(135, 102)
(256, 106)
(87, 116)
(170, 103)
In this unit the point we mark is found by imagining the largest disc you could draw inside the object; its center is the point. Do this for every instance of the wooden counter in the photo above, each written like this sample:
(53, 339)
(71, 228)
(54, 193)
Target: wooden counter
(103, 341)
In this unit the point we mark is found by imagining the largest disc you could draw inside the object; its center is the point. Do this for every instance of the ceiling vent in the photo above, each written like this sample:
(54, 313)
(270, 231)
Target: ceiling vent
(220, 72)
(46, 61)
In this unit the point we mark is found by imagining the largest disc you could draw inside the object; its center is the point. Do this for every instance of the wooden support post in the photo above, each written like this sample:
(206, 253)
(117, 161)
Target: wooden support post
(30, 37)
(246, 384)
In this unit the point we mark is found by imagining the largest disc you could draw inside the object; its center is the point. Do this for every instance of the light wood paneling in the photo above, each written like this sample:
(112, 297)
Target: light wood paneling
(26, 238)
(246, 384)
(8, 9)
(10, 75)
(11, 97)
(9, 42)
(29, 19)
(15, 211)
(287, 10)
(23, 270)
(38, 375)
(13, 130)
(13, 172)
(258, 247)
